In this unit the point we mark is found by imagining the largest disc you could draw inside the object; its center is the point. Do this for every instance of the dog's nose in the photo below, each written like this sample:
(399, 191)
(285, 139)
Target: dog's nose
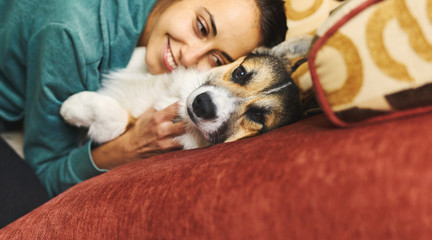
(203, 106)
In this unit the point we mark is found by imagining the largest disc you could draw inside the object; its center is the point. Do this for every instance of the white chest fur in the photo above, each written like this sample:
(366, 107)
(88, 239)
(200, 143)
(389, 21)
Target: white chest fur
(130, 92)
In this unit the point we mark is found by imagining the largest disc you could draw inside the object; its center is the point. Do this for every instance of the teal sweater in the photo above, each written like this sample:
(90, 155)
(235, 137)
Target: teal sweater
(49, 50)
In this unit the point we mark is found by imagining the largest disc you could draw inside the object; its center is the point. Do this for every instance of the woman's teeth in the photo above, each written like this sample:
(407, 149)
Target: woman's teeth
(170, 59)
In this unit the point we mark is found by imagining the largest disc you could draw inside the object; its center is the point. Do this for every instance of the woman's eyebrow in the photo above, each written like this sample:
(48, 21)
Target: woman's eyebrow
(214, 29)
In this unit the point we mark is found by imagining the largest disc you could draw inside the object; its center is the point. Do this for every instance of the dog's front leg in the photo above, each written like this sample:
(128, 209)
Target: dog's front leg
(104, 117)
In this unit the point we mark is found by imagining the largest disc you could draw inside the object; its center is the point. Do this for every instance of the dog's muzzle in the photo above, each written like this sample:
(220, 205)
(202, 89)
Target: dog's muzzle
(209, 108)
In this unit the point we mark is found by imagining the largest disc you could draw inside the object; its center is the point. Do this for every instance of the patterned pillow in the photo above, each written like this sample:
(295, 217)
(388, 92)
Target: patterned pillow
(305, 16)
(372, 60)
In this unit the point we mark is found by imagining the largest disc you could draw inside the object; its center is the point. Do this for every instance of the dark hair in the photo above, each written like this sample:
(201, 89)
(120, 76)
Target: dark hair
(273, 21)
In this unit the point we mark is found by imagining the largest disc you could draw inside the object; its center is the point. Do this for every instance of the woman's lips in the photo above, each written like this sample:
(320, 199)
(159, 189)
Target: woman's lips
(168, 58)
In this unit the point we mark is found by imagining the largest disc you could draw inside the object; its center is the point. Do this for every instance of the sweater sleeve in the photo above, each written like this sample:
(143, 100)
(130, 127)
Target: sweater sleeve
(56, 69)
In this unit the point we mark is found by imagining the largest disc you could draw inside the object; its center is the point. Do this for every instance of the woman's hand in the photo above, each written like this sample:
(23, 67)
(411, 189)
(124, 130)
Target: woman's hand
(153, 133)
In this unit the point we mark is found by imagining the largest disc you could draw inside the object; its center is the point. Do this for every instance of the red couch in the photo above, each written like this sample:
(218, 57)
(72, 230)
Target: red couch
(309, 180)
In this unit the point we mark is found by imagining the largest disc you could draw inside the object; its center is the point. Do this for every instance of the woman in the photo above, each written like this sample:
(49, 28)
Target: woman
(52, 49)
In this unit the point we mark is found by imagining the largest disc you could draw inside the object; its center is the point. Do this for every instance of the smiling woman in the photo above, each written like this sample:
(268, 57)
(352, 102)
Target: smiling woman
(206, 33)
(51, 49)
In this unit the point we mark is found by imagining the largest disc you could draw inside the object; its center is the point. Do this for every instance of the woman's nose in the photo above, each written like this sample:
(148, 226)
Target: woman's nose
(190, 55)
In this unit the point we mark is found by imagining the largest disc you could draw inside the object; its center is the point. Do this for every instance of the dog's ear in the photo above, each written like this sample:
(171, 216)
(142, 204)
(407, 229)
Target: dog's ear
(293, 49)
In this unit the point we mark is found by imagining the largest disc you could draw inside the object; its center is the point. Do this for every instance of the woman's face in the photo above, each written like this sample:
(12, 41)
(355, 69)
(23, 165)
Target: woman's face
(202, 34)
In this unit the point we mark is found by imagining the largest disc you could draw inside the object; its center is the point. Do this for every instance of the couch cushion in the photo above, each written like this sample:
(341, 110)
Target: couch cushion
(373, 59)
(309, 180)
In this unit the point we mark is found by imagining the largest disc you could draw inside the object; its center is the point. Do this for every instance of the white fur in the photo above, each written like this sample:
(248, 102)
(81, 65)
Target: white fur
(132, 91)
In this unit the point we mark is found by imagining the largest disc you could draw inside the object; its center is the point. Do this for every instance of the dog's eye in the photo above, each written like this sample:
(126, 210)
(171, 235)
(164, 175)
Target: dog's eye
(257, 115)
(240, 75)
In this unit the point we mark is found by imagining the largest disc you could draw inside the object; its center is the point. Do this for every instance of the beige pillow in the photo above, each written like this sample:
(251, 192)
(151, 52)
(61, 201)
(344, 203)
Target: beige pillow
(372, 60)
(305, 16)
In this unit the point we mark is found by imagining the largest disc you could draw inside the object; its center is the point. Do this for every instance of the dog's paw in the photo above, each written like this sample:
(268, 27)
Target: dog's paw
(107, 130)
(105, 118)
(78, 109)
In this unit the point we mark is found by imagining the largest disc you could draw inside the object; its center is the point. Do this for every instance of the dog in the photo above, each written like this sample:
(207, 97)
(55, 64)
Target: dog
(247, 97)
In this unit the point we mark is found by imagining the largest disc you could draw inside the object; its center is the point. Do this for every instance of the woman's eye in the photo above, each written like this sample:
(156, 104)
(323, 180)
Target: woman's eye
(217, 61)
(202, 30)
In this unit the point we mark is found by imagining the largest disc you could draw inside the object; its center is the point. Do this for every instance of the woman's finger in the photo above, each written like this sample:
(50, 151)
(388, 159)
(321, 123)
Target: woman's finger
(168, 113)
(167, 129)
